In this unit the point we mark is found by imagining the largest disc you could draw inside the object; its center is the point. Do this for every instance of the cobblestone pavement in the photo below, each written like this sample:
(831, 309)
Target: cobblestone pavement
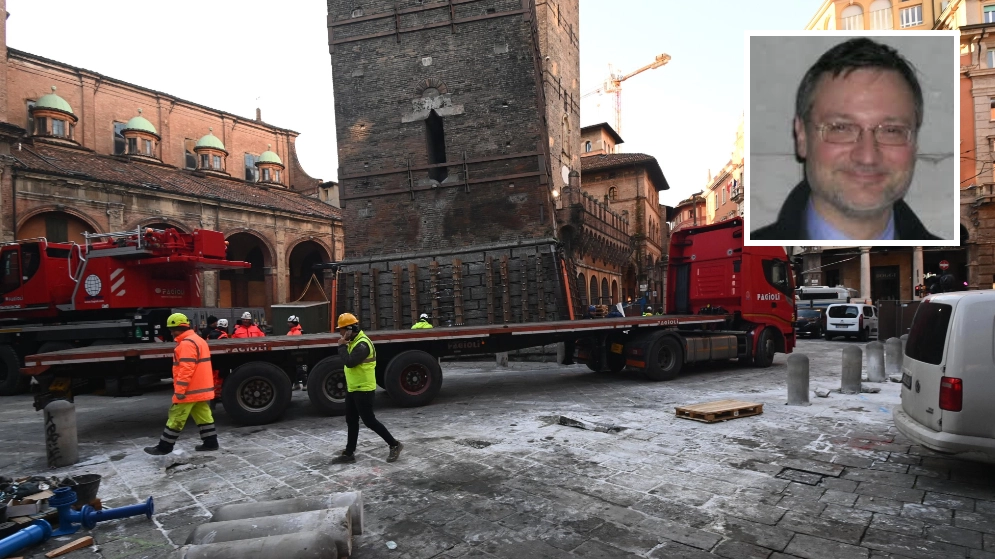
(488, 472)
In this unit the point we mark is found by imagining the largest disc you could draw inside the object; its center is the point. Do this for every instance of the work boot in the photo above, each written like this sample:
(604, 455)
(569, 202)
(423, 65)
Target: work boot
(161, 449)
(395, 451)
(297, 386)
(344, 458)
(209, 443)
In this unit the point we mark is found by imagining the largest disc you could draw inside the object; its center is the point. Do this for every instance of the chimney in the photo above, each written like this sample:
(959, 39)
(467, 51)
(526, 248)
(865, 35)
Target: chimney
(259, 115)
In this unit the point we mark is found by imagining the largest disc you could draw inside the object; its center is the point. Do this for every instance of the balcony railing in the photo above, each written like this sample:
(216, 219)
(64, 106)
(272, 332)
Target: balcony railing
(882, 19)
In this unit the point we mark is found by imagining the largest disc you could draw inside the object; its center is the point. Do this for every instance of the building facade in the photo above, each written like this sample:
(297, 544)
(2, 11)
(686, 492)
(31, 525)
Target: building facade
(83, 152)
(690, 212)
(892, 273)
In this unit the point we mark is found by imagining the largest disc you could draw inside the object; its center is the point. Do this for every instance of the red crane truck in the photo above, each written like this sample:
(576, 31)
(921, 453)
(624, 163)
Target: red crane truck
(727, 301)
(114, 288)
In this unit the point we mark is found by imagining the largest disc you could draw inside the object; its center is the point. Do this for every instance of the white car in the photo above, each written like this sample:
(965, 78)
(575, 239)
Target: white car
(948, 376)
(852, 319)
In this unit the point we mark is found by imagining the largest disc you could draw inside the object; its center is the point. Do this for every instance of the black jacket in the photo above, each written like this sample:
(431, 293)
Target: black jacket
(790, 224)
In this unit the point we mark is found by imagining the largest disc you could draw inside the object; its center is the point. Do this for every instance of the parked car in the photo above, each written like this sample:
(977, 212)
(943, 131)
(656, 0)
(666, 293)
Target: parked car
(947, 381)
(810, 322)
(852, 320)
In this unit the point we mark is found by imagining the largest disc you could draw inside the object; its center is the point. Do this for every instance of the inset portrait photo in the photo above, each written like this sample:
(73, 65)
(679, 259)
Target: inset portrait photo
(852, 138)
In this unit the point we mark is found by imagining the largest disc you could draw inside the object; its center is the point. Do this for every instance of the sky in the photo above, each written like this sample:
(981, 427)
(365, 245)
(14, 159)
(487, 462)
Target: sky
(236, 55)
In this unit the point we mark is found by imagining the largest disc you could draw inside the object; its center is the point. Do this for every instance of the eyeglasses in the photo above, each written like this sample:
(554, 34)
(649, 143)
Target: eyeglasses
(849, 133)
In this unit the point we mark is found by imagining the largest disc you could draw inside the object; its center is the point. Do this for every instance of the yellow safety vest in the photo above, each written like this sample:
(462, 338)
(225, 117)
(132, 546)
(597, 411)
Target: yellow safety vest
(420, 325)
(362, 377)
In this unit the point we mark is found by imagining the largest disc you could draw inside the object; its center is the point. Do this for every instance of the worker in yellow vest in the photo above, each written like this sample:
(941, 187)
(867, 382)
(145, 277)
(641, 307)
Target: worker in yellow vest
(422, 322)
(360, 359)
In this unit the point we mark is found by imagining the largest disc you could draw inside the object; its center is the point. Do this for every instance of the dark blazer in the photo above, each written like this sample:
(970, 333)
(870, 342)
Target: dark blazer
(790, 224)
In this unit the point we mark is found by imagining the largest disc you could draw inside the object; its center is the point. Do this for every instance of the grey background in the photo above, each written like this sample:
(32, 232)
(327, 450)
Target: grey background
(777, 65)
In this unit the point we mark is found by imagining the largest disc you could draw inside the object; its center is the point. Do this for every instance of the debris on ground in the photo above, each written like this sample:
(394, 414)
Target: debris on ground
(720, 410)
(822, 392)
(590, 426)
(870, 389)
(895, 378)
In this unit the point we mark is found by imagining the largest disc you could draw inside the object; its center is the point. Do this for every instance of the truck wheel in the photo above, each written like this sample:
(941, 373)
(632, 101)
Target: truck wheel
(256, 393)
(666, 356)
(326, 386)
(11, 380)
(413, 378)
(766, 347)
(592, 349)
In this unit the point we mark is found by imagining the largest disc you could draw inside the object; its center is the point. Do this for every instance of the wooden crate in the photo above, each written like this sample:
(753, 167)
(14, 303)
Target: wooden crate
(722, 410)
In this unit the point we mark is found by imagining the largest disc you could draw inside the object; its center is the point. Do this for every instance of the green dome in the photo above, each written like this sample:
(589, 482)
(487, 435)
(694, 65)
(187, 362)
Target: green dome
(53, 101)
(269, 157)
(140, 123)
(210, 141)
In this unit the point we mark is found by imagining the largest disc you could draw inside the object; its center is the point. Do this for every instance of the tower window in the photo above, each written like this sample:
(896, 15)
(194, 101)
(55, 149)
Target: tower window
(147, 147)
(58, 128)
(251, 172)
(41, 126)
(31, 120)
(189, 157)
(132, 145)
(266, 175)
(205, 161)
(217, 162)
(436, 137)
(119, 143)
(587, 147)
(613, 193)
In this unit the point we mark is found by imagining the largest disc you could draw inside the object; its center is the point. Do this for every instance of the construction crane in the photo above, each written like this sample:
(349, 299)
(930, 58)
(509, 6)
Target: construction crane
(614, 85)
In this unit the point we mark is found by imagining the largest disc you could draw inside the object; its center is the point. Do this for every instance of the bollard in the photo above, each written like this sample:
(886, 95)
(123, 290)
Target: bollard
(798, 380)
(893, 357)
(502, 359)
(905, 339)
(302, 545)
(852, 361)
(353, 500)
(38, 532)
(61, 445)
(333, 522)
(875, 362)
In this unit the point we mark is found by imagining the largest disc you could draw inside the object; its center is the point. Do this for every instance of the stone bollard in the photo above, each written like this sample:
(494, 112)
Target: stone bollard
(904, 338)
(852, 361)
(875, 362)
(332, 522)
(502, 359)
(798, 380)
(893, 357)
(302, 545)
(353, 500)
(61, 444)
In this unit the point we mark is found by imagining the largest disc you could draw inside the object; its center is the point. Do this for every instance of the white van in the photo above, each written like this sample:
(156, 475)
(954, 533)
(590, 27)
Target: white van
(948, 375)
(856, 319)
(821, 296)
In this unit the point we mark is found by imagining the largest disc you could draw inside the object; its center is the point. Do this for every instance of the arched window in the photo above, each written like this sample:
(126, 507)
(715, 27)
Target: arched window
(612, 193)
(881, 17)
(852, 18)
(436, 136)
(587, 146)
(594, 291)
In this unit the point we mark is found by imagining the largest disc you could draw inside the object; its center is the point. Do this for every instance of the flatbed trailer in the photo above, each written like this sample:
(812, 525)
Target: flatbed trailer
(257, 372)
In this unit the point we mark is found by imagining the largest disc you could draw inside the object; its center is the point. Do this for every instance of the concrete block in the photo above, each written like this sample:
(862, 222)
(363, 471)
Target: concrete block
(336, 523)
(353, 500)
(302, 545)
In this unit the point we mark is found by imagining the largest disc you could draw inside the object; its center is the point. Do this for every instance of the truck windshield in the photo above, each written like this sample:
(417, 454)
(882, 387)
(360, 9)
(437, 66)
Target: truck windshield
(928, 335)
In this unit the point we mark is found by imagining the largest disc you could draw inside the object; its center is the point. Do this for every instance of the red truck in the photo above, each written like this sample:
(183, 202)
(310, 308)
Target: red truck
(725, 301)
(115, 288)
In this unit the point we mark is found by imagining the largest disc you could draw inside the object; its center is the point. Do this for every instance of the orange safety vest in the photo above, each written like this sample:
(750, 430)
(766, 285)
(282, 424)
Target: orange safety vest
(296, 331)
(247, 332)
(193, 376)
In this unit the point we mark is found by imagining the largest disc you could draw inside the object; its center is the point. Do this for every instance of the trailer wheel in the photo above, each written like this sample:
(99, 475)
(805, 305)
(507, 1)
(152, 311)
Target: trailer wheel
(256, 393)
(666, 356)
(413, 378)
(326, 386)
(592, 349)
(11, 380)
(766, 348)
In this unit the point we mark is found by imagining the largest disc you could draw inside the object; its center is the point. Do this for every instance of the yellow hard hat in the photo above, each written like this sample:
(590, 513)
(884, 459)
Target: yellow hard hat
(347, 319)
(177, 319)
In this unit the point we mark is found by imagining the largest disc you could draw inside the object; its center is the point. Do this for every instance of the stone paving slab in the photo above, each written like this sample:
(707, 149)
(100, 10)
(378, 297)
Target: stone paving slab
(488, 472)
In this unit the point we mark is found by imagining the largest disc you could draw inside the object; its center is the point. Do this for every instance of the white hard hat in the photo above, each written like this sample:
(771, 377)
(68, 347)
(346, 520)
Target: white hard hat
(423, 316)
(246, 315)
(223, 323)
(293, 318)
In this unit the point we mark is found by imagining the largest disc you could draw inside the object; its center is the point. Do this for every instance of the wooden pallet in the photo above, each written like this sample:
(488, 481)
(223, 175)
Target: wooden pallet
(721, 410)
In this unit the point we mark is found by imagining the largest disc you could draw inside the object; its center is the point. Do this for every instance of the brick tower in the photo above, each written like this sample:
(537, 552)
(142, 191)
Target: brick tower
(455, 125)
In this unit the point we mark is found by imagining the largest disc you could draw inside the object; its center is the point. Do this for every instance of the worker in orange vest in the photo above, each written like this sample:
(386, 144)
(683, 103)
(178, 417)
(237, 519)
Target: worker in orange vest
(246, 329)
(294, 323)
(193, 388)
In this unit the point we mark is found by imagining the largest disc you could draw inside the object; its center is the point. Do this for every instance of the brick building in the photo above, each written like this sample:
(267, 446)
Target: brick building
(724, 198)
(80, 151)
(629, 184)
(689, 212)
(457, 128)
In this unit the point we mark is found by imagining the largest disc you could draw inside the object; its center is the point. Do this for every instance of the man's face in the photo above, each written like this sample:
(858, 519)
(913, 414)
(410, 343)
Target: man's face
(861, 179)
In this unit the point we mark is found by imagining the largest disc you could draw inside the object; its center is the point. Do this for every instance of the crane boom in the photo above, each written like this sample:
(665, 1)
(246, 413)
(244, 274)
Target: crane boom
(614, 85)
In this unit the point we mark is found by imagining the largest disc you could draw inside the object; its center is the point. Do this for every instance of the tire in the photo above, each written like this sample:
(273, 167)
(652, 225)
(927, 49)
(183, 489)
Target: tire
(256, 393)
(11, 380)
(829, 336)
(766, 348)
(326, 387)
(665, 359)
(413, 378)
(593, 348)
(614, 361)
(865, 334)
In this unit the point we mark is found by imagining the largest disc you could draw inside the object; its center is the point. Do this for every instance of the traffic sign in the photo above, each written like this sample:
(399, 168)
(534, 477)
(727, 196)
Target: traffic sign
(944, 265)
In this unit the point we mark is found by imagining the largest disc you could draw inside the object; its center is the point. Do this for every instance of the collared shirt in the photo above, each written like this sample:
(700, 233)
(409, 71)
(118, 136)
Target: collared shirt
(820, 229)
